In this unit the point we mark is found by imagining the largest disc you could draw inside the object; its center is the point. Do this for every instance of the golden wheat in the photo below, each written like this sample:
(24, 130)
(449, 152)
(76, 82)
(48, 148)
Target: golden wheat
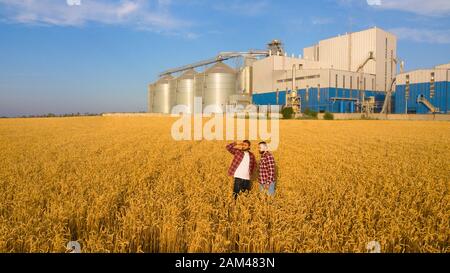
(123, 185)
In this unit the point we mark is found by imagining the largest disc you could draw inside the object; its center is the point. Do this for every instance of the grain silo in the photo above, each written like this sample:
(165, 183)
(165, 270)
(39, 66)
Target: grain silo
(163, 96)
(185, 89)
(216, 85)
(150, 98)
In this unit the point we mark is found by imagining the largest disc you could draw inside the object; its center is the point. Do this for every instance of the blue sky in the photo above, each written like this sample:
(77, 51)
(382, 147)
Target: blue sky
(99, 56)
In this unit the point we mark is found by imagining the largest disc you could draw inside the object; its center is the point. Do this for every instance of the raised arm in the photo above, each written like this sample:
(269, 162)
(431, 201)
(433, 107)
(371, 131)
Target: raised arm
(230, 148)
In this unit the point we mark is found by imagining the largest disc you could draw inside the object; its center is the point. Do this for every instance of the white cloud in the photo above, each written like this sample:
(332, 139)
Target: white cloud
(127, 8)
(423, 35)
(151, 15)
(423, 7)
(374, 2)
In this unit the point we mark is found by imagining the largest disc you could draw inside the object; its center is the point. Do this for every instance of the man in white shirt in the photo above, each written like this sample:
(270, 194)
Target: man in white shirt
(242, 166)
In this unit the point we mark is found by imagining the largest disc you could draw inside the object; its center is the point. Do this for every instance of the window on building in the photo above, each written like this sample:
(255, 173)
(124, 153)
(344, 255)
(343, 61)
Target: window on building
(343, 81)
(336, 81)
(373, 84)
(318, 53)
(407, 87)
(357, 83)
(351, 82)
(386, 51)
(432, 85)
(298, 79)
(392, 64)
(364, 86)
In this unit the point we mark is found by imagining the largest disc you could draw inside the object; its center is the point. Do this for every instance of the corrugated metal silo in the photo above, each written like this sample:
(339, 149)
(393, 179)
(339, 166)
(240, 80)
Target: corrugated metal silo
(185, 89)
(219, 83)
(199, 81)
(163, 98)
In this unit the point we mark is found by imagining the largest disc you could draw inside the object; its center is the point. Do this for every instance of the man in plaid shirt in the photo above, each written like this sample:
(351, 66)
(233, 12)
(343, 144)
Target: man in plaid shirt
(242, 167)
(267, 178)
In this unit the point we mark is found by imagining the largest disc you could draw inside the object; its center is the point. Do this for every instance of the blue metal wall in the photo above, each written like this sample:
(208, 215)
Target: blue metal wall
(441, 98)
(270, 98)
(323, 102)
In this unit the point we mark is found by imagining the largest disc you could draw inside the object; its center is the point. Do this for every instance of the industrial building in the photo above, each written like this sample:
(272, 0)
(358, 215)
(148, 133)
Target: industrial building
(423, 91)
(351, 73)
(342, 74)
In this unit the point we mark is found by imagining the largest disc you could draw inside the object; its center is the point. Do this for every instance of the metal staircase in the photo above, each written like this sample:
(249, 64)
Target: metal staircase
(427, 103)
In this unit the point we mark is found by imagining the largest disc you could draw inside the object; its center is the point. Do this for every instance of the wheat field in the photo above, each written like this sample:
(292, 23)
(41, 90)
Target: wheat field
(121, 184)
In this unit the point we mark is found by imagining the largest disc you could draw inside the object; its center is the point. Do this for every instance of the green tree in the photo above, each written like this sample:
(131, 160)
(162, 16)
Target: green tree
(287, 112)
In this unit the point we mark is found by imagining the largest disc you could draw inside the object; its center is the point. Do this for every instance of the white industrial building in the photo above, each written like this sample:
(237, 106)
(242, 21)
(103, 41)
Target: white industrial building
(347, 73)
(423, 91)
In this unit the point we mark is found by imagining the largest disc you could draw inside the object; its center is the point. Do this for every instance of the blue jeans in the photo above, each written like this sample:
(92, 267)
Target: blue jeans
(270, 191)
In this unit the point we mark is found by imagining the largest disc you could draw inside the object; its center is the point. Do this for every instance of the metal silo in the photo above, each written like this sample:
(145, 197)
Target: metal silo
(185, 89)
(219, 83)
(150, 98)
(163, 96)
